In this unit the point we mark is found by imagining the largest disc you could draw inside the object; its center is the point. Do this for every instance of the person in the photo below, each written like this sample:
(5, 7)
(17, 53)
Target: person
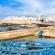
(40, 34)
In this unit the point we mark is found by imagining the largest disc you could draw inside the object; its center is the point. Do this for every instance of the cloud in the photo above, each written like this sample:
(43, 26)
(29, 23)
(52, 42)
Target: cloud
(12, 8)
(49, 8)
(32, 4)
(26, 7)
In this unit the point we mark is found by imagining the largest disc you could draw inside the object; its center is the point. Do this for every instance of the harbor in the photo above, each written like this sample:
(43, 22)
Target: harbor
(26, 32)
(27, 27)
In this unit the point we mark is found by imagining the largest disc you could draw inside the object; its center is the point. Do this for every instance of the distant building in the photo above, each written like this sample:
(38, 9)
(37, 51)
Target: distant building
(50, 19)
(16, 20)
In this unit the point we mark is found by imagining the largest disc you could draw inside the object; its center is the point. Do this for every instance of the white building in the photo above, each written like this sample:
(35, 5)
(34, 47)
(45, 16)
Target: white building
(50, 19)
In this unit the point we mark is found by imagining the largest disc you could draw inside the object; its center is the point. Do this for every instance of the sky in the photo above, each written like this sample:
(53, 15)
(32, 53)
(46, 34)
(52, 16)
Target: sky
(26, 7)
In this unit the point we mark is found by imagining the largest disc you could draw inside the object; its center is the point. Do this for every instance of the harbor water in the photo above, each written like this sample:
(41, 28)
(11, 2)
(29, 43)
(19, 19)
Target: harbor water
(27, 47)
(15, 27)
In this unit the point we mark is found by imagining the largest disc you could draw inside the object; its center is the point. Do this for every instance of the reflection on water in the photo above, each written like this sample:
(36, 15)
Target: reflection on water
(7, 28)
(14, 27)
(28, 47)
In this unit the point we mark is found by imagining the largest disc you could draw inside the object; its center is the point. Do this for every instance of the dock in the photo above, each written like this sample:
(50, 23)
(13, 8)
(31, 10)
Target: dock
(17, 33)
(25, 34)
(49, 34)
(28, 34)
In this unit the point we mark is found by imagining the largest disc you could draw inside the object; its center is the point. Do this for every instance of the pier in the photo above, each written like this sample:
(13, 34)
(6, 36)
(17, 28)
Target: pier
(17, 33)
(25, 34)
(30, 33)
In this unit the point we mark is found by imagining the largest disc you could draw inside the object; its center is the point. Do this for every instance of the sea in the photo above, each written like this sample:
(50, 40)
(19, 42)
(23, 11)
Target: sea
(27, 47)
